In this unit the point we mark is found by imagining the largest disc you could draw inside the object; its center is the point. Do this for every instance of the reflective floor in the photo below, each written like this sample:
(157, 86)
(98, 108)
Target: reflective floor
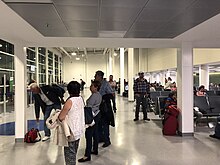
(133, 143)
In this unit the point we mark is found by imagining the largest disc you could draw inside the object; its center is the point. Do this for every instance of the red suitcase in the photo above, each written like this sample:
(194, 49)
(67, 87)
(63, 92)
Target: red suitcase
(170, 121)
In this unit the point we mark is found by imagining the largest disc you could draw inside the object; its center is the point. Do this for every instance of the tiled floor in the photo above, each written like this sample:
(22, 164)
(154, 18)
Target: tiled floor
(133, 143)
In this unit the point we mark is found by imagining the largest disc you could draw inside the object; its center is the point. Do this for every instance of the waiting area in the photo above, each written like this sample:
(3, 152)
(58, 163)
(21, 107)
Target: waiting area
(133, 143)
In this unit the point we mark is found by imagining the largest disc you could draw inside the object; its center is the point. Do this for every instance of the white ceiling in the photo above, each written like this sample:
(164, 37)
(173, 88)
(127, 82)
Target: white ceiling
(111, 23)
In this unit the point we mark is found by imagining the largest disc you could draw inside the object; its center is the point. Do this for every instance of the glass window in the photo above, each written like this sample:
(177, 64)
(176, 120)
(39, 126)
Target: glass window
(50, 63)
(50, 54)
(42, 59)
(30, 55)
(6, 61)
(6, 47)
(42, 68)
(42, 78)
(42, 50)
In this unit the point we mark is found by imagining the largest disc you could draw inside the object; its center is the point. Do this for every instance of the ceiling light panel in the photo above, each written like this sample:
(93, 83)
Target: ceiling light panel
(76, 2)
(124, 3)
(81, 25)
(86, 13)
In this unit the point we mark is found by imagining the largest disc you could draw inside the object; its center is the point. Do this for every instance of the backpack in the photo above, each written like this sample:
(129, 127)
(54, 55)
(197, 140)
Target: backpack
(32, 136)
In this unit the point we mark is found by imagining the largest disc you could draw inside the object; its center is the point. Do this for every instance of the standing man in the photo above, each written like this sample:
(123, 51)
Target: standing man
(107, 116)
(49, 96)
(82, 84)
(113, 85)
(141, 90)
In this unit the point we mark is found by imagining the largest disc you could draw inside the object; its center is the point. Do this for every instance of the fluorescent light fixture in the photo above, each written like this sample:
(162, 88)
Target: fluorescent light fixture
(77, 58)
(112, 34)
(73, 54)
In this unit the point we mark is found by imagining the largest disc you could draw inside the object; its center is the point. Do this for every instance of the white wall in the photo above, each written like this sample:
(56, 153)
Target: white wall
(162, 59)
(143, 62)
(76, 70)
(204, 56)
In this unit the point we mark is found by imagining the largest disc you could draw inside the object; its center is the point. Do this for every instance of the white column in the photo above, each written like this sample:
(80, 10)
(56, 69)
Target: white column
(53, 68)
(113, 62)
(110, 63)
(185, 89)
(37, 65)
(47, 66)
(168, 74)
(204, 75)
(151, 77)
(20, 92)
(157, 78)
(122, 72)
(130, 74)
(59, 70)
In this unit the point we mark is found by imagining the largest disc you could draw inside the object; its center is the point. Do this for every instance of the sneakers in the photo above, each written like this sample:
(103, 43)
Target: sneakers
(136, 119)
(45, 138)
(146, 119)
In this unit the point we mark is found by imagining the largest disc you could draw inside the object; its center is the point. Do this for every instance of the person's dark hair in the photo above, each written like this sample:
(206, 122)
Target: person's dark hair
(171, 95)
(96, 84)
(169, 78)
(201, 87)
(73, 88)
(100, 73)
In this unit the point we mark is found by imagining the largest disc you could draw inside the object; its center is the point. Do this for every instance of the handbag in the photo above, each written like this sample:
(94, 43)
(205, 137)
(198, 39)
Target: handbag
(88, 115)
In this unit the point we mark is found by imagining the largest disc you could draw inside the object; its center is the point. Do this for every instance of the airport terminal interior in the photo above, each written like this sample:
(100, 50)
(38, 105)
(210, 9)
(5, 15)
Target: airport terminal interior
(55, 42)
(133, 143)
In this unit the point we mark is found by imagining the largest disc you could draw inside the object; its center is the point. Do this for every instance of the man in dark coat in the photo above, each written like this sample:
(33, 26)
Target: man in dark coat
(47, 97)
(107, 117)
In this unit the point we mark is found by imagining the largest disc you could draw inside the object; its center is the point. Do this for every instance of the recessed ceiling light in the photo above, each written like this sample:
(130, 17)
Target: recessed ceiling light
(77, 58)
(0, 45)
(115, 54)
(73, 54)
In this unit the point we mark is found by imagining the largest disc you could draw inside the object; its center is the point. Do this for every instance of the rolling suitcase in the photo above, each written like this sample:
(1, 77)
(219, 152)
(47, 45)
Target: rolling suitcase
(170, 121)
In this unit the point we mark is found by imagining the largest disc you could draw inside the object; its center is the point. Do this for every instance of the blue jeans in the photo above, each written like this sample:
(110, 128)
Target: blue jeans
(48, 110)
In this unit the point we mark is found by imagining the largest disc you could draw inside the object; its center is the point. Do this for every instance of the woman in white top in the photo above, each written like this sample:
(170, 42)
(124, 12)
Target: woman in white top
(73, 112)
(167, 86)
(92, 132)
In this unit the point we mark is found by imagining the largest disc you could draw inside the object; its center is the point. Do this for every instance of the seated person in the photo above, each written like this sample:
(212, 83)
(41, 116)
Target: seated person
(171, 100)
(201, 91)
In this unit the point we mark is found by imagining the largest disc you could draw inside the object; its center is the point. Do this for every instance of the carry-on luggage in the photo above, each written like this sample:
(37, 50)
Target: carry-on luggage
(217, 128)
(170, 121)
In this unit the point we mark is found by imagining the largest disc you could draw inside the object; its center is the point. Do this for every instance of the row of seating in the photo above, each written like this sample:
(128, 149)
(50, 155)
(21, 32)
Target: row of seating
(208, 105)
(158, 101)
(213, 93)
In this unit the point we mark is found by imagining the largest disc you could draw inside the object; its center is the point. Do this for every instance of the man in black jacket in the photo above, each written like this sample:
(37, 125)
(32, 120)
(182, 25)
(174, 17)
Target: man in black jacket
(47, 97)
(107, 116)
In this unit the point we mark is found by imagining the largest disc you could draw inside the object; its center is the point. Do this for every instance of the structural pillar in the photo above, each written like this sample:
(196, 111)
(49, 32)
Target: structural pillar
(122, 72)
(185, 89)
(110, 62)
(130, 74)
(204, 75)
(20, 92)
